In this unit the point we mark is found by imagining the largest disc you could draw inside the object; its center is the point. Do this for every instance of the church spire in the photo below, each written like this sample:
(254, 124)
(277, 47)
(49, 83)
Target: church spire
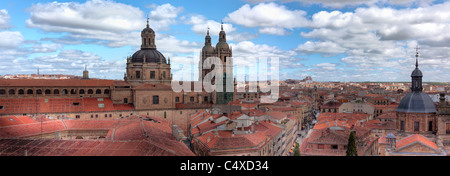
(416, 75)
(417, 56)
(148, 37)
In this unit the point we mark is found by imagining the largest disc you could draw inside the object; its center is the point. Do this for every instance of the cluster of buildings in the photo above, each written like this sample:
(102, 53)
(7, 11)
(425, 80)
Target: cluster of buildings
(386, 123)
(142, 115)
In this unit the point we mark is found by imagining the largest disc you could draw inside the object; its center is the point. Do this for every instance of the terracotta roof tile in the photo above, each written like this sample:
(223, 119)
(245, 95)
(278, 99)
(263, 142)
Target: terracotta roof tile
(130, 137)
(56, 83)
(54, 105)
(416, 138)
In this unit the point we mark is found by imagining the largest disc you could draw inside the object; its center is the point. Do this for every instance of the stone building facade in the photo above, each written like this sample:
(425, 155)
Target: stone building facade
(145, 90)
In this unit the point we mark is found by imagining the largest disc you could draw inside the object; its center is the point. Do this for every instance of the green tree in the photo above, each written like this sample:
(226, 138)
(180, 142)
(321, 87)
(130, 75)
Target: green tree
(351, 146)
(296, 149)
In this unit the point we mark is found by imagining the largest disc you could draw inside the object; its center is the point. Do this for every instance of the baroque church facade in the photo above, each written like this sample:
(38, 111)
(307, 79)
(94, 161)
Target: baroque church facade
(417, 114)
(146, 89)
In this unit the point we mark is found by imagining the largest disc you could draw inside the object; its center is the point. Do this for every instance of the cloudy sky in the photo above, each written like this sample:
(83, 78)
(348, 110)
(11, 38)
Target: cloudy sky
(330, 40)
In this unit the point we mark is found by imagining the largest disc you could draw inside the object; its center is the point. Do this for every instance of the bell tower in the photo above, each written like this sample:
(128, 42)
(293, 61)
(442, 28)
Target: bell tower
(416, 75)
(148, 37)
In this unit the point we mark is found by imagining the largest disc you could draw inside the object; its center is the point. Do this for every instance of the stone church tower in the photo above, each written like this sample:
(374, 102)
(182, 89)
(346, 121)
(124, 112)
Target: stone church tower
(224, 52)
(416, 112)
(148, 65)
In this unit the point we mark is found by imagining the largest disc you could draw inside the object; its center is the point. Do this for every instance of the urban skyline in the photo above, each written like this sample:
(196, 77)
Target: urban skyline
(340, 41)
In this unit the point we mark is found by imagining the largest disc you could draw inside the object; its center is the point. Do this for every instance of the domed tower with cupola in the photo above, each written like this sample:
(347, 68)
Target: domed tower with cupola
(416, 112)
(224, 52)
(148, 65)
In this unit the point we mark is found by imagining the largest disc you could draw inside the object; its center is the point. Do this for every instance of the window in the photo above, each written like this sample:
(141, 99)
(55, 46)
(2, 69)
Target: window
(320, 146)
(90, 91)
(416, 126)
(106, 115)
(106, 91)
(205, 99)
(164, 74)
(76, 104)
(96, 115)
(138, 74)
(12, 92)
(73, 91)
(56, 91)
(2, 91)
(110, 115)
(101, 105)
(402, 125)
(430, 126)
(98, 91)
(92, 116)
(64, 91)
(192, 99)
(125, 100)
(77, 116)
(81, 91)
(156, 99)
(48, 91)
(29, 91)
(335, 147)
(177, 99)
(152, 74)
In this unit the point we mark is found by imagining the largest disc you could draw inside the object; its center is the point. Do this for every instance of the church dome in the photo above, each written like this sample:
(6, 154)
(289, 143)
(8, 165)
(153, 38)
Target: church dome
(416, 102)
(148, 30)
(222, 46)
(151, 55)
(416, 72)
(208, 49)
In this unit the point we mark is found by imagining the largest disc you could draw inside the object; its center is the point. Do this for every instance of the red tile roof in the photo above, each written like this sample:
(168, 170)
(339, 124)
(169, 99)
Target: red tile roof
(277, 114)
(56, 83)
(339, 119)
(415, 138)
(40, 147)
(338, 136)
(55, 105)
(148, 136)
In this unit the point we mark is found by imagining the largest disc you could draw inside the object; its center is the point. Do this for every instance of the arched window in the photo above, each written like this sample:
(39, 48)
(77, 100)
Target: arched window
(90, 91)
(12, 92)
(2, 91)
(81, 91)
(48, 91)
(64, 91)
(30, 91)
(21, 92)
(39, 91)
(98, 91)
(73, 91)
(106, 91)
(56, 92)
